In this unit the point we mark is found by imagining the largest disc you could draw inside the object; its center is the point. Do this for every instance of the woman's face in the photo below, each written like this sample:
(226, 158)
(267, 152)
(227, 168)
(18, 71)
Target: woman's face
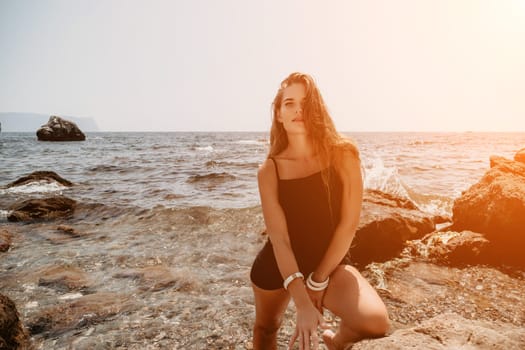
(291, 111)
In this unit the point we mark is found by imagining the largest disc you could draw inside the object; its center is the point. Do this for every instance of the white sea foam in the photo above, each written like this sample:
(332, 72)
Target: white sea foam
(248, 142)
(436, 207)
(36, 187)
(3, 215)
(206, 148)
(384, 179)
(31, 305)
(70, 296)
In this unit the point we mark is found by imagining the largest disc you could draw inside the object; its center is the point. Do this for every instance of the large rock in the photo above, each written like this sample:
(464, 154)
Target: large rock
(12, 333)
(451, 248)
(495, 206)
(41, 209)
(58, 129)
(520, 156)
(385, 225)
(82, 312)
(40, 176)
(450, 331)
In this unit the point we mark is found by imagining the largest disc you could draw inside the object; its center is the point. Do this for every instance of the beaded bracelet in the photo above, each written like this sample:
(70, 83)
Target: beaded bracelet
(316, 286)
(290, 278)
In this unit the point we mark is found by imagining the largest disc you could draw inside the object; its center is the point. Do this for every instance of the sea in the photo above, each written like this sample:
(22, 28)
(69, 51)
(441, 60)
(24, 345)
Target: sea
(186, 203)
(218, 169)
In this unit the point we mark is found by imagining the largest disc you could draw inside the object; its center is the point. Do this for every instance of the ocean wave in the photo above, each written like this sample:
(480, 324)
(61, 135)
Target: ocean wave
(251, 142)
(433, 204)
(244, 165)
(387, 179)
(384, 179)
(211, 178)
(203, 148)
(34, 187)
(105, 168)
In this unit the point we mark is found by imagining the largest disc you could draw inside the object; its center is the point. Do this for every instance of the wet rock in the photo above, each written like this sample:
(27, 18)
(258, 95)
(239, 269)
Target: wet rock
(41, 209)
(155, 278)
(12, 333)
(58, 129)
(385, 225)
(83, 312)
(495, 206)
(40, 176)
(5, 240)
(451, 248)
(386, 199)
(451, 331)
(64, 278)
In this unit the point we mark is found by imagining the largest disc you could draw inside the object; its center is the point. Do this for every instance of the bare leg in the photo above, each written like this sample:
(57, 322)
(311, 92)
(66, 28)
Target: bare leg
(270, 306)
(363, 314)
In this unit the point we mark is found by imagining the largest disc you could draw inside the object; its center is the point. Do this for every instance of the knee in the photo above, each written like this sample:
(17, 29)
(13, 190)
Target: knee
(377, 325)
(267, 329)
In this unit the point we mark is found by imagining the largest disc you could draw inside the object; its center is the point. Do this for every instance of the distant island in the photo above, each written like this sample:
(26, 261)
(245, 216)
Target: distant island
(30, 122)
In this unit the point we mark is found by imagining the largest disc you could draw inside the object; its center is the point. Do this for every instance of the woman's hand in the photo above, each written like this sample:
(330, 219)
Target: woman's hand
(308, 319)
(317, 298)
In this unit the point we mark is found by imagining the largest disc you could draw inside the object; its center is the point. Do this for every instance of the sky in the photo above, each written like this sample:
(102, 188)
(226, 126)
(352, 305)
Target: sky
(208, 65)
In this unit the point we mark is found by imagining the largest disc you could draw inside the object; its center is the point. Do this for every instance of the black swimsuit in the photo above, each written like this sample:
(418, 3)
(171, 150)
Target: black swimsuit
(311, 223)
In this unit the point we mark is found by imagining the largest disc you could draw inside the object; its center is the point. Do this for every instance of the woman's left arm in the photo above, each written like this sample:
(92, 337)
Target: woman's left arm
(351, 202)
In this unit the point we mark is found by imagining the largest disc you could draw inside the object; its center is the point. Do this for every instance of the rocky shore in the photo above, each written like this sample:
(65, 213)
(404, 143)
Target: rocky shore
(178, 278)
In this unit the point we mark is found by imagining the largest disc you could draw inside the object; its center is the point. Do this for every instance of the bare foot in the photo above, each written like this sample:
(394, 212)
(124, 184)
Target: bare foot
(331, 343)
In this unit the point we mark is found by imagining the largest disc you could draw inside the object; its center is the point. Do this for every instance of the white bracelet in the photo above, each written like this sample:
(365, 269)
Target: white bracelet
(316, 286)
(290, 278)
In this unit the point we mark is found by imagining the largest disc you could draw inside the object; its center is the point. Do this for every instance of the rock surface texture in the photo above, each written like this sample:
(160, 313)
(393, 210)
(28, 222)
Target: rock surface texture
(41, 209)
(495, 207)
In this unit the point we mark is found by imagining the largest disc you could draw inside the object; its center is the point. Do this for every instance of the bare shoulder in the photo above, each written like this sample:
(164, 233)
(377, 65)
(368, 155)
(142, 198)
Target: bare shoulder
(350, 163)
(266, 170)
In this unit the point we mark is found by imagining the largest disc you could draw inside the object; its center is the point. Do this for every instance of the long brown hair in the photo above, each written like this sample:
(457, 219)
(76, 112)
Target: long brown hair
(327, 143)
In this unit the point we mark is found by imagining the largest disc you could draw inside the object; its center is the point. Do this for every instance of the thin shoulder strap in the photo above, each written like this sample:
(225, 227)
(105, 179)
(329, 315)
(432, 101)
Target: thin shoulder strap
(276, 168)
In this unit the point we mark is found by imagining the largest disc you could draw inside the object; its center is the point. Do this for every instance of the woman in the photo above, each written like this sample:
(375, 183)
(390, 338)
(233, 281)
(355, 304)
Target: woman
(311, 193)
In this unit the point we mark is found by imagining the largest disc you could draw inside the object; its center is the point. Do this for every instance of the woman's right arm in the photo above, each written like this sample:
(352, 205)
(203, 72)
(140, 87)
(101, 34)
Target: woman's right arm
(308, 317)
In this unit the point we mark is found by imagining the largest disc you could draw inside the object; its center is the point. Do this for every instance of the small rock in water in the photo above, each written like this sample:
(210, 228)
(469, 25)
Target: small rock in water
(41, 209)
(58, 129)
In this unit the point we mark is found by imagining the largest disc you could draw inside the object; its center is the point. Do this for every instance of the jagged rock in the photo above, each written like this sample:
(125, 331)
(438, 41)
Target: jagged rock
(41, 209)
(451, 331)
(40, 176)
(5, 241)
(58, 129)
(451, 248)
(82, 312)
(495, 206)
(13, 335)
(384, 227)
(63, 278)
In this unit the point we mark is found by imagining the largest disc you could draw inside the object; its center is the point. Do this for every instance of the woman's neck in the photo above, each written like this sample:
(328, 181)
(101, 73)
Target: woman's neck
(300, 147)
